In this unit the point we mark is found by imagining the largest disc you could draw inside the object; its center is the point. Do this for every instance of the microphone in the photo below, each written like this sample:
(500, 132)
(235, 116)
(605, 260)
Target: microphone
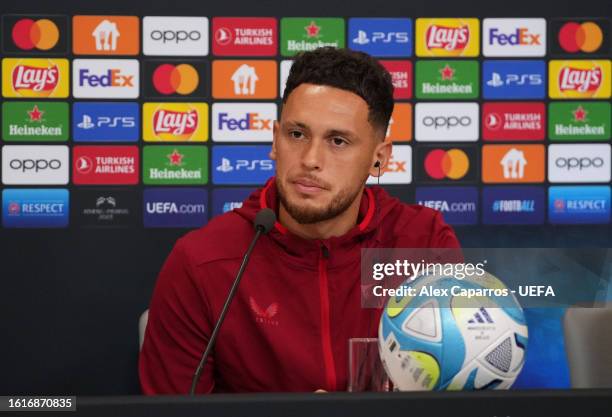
(264, 221)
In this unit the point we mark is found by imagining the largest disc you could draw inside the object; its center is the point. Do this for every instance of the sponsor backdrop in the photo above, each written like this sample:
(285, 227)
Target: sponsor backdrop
(124, 126)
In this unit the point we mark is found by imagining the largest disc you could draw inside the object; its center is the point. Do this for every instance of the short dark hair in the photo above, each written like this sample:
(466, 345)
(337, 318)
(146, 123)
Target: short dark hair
(348, 70)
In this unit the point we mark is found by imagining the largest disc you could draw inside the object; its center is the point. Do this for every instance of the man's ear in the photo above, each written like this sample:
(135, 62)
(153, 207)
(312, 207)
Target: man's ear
(382, 154)
(275, 133)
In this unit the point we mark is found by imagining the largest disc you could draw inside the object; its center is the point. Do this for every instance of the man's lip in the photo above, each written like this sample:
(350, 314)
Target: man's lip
(307, 183)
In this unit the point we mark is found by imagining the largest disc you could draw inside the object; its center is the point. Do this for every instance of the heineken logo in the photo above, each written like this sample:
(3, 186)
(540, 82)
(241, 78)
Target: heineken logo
(165, 165)
(34, 121)
(579, 121)
(447, 79)
(307, 34)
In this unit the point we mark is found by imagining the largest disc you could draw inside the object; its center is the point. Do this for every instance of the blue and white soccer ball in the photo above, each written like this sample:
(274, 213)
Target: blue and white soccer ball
(447, 342)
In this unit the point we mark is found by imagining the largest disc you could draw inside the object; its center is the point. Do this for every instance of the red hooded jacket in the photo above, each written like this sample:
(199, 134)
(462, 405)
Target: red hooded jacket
(297, 306)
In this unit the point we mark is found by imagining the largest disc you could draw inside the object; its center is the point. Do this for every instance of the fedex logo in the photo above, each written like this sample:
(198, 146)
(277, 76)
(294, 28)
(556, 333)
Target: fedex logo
(112, 78)
(238, 122)
(514, 37)
(100, 78)
(520, 37)
(251, 121)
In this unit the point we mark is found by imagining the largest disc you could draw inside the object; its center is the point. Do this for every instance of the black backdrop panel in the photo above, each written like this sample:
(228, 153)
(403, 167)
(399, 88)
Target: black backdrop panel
(70, 299)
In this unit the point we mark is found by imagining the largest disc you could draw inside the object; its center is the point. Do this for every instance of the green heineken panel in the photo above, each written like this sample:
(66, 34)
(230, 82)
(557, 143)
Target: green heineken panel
(446, 79)
(579, 120)
(35, 121)
(306, 34)
(175, 165)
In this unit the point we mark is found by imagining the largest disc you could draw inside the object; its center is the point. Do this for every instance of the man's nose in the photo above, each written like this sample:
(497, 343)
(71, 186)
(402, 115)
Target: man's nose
(313, 154)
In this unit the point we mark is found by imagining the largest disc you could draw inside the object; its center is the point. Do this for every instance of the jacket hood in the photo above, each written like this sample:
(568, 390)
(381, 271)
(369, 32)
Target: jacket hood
(375, 205)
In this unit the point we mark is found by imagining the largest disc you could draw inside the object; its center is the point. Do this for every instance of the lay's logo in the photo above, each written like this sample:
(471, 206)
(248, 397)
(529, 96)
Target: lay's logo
(447, 37)
(42, 78)
(579, 79)
(175, 122)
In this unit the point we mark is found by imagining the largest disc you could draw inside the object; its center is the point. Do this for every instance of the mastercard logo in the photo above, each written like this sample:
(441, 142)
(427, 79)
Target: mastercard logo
(180, 79)
(452, 164)
(31, 34)
(580, 37)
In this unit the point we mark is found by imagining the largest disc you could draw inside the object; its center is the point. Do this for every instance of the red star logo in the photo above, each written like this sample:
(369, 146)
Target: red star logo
(175, 158)
(580, 114)
(447, 73)
(312, 30)
(35, 114)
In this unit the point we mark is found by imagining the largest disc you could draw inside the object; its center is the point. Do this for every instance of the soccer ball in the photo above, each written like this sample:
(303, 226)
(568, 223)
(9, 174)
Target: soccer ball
(452, 342)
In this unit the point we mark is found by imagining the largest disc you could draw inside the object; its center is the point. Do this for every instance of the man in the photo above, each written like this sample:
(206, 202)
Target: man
(299, 300)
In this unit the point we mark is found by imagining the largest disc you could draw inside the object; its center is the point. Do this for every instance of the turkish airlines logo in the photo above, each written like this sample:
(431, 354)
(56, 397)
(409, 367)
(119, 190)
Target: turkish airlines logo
(245, 36)
(105, 165)
(513, 121)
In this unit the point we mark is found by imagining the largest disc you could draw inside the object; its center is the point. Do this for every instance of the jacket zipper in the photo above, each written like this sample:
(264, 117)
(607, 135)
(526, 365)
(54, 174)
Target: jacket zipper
(328, 355)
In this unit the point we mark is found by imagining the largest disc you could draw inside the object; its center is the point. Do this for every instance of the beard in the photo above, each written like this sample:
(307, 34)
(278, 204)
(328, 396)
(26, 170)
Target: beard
(309, 215)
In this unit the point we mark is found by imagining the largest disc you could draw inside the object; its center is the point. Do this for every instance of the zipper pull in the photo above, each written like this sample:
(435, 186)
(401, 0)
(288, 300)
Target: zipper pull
(324, 251)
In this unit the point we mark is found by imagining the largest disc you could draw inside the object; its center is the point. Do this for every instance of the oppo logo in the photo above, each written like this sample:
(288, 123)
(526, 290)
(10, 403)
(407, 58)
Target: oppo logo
(447, 122)
(175, 36)
(580, 163)
(24, 165)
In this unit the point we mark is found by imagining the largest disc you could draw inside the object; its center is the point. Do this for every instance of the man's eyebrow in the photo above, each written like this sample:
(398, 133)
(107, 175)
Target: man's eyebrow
(331, 132)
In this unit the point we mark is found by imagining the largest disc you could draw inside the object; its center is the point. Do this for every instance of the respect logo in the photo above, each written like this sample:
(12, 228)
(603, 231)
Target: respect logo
(32, 77)
(34, 34)
(579, 79)
(175, 122)
(447, 37)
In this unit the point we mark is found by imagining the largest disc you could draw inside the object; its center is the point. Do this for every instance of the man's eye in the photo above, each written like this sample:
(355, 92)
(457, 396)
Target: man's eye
(296, 134)
(339, 142)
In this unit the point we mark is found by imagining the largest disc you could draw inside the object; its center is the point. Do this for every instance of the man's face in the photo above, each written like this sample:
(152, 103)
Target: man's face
(324, 148)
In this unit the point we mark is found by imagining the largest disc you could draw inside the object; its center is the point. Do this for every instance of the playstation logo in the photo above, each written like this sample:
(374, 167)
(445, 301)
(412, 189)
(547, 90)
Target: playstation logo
(226, 165)
(362, 38)
(86, 123)
(495, 81)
